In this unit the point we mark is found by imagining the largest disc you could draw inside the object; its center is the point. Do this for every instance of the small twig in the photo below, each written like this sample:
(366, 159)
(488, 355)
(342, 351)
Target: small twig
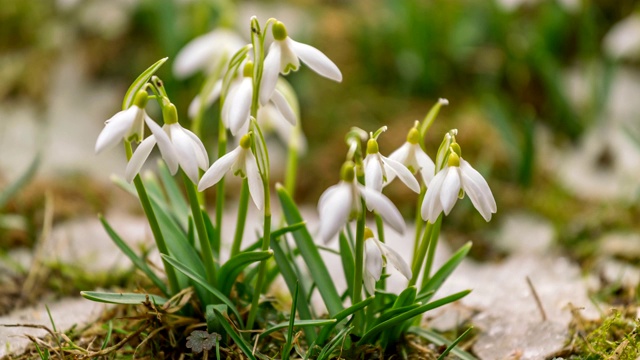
(537, 298)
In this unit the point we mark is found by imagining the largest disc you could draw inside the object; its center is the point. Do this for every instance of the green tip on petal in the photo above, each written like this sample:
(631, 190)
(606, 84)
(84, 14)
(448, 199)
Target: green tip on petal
(248, 69)
(348, 173)
(245, 141)
(279, 31)
(368, 234)
(372, 147)
(454, 159)
(141, 98)
(170, 114)
(413, 137)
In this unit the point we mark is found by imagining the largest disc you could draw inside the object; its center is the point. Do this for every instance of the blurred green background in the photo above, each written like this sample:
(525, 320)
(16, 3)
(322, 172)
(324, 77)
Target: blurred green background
(542, 92)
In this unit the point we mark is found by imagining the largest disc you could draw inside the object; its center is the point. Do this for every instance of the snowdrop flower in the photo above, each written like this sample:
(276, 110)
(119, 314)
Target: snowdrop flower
(446, 186)
(126, 124)
(380, 170)
(285, 55)
(178, 146)
(240, 162)
(376, 256)
(414, 158)
(237, 105)
(339, 202)
(206, 52)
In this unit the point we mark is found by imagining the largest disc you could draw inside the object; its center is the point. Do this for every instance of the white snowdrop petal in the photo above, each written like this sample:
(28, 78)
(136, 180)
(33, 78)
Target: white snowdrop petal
(426, 165)
(372, 173)
(369, 282)
(139, 157)
(270, 72)
(431, 206)
(395, 259)
(256, 188)
(373, 258)
(478, 190)
(381, 204)
(115, 128)
(288, 57)
(316, 60)
(214, 94)
(283, 107)
(164, 144)
(195, 55)
(401, 153)
(219, 168)
(185, 150)
(450, 188)
(335, 210)
(403, 174)
(326, 195)
(239, 112)
(201, 153)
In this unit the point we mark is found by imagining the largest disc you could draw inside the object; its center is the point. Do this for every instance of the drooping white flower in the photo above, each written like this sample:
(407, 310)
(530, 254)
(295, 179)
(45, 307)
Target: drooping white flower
(380, 170)
(206, 52)
(376, 256)
(237, 105)
(285, 55)
(241, 162)
(411, 155)
(340, 201)
(444, 190)
(178, 146)
(623, 39)
(126, 124)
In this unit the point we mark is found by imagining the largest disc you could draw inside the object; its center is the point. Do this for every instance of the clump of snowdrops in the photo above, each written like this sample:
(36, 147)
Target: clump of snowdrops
(249, 84)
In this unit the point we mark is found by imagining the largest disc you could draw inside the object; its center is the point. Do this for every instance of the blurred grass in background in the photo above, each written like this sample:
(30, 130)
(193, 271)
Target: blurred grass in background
(502, 64)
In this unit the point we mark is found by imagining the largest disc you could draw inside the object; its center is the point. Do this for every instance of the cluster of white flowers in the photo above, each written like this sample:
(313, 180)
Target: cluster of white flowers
(447, 180)
(341, 202)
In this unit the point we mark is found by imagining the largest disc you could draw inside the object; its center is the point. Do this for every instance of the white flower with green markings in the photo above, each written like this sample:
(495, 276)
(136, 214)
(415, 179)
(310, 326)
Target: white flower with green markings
(414, 158)
(285, 55)
(126, 124)
(240, 162)
(376, 256)
(339, 202)
(206, 52)
(452, 182)
(380, 170)
(179, 147)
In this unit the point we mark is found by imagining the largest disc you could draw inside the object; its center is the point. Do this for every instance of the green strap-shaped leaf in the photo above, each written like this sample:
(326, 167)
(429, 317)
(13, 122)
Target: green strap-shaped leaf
(297, 323)
(291, 279)
(220, 311)
(326, 331)
(348, 261)
(175, 196)
(122, 298)
(135, 259)
(202, 281)
(140, 82)
(370, 335)
(310, 254)
(406, 297)
(441, 340)
(326, 352)
(23, 180)
(390, 314)
(232, 268)
(432, 286)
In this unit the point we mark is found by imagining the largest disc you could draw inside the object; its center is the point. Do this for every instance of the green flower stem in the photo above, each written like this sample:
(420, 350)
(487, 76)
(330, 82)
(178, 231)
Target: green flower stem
(356, 297)
(257, 40)
(203, 237)
(418, 260)
(262, 268)
(242, 217)
(419, 222)
(292, 165)
(153, 223)
(222, 149)
(431, 254)
(382, 284)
